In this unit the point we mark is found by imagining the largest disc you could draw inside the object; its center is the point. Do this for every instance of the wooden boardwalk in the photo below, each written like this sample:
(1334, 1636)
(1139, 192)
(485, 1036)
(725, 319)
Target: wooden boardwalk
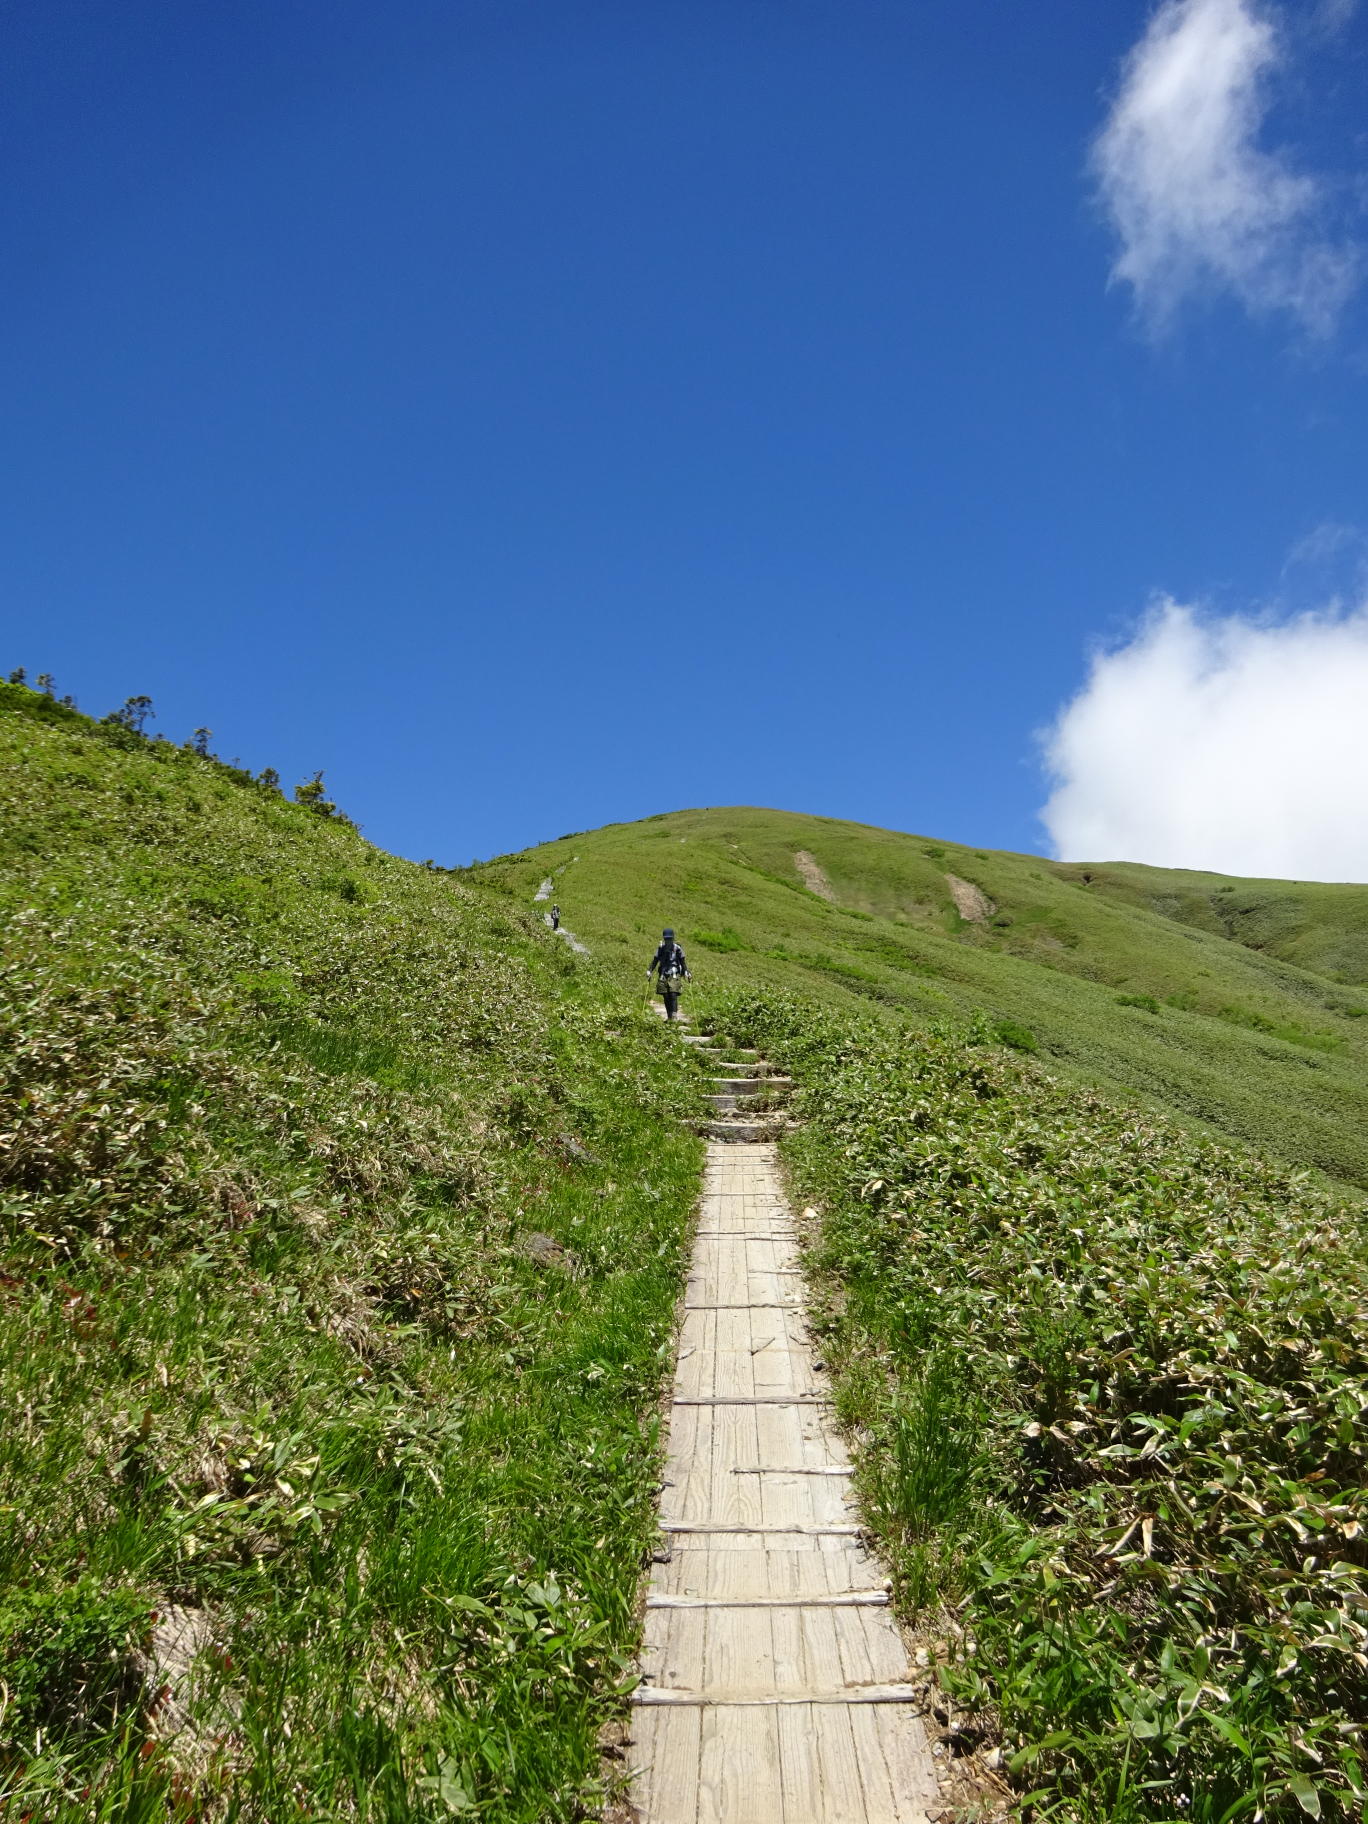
(772, 1675)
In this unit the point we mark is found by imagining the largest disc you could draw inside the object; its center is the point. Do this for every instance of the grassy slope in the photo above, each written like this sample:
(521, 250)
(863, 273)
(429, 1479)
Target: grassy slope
(1238, 1039)
(283, 1118)
(1107, 1386)
(1313, 924)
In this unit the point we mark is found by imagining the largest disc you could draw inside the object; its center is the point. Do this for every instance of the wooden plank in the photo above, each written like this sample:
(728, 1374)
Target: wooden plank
(793, 1469)
(731, 1500)
(797, 1570)
(665, 1756)
(864, 1655)
(814, 1500)
(822, 1666)
(787, 1501)
(884, 1650)
(800, 1766)
(740, 1650)
(911, 1767)
(880, 1798)
(837, 1761)
(786, 1634)
(679, 1663)
(791, 1304)
(697, 1570)
(733, 1374)
(739, 1773)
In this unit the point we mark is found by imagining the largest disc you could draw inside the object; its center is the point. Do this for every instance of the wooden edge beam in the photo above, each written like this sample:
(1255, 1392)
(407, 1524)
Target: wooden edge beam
(845, 1599)
(793, 1305)
(699, 1700)
(769, 1469)
(837, 1528)
(754, 1399)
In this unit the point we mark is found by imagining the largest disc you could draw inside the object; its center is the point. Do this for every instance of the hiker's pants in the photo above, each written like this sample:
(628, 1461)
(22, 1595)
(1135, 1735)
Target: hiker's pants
(671, 1003)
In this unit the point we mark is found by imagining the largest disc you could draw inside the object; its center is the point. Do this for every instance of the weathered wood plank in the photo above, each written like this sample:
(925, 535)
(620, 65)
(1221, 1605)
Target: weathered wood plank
(739, 1773)
(665, 1755)
(884, 1800)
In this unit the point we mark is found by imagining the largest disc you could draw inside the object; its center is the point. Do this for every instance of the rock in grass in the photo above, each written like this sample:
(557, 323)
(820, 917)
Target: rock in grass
(546, 1251)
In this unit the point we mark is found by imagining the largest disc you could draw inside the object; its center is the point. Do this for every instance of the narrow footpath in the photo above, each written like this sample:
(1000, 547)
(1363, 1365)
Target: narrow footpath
(773, 1678)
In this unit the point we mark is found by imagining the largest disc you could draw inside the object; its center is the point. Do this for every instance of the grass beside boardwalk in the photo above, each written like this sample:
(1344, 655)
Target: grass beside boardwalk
(1110, 1386)
(343, 1219)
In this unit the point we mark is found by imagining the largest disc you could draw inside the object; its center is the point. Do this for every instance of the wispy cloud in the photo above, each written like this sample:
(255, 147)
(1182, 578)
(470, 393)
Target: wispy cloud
(1327, 566)
(1197, 203)
(1226, 743)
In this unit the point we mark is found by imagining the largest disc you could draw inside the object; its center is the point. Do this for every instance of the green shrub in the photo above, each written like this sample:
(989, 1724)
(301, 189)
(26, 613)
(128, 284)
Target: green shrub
(1020, 1038)
(67, 1659)
(719, 940)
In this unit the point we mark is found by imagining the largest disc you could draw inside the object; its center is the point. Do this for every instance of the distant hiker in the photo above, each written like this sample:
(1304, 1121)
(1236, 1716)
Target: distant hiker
(555, 918)
(670, 970)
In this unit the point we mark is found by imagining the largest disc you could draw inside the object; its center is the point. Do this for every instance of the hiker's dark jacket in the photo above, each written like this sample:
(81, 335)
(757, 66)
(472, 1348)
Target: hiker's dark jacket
(668, 960)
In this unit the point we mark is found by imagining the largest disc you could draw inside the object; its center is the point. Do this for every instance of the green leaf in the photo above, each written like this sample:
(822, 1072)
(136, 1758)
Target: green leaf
(1223, 1726)
(1305, 1794)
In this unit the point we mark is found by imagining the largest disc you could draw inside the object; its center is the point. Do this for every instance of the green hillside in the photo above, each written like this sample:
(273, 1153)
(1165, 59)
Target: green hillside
(1104, 1373)
(1109, 972)
(1318, 926)
(345, 1213)
(344, 1216)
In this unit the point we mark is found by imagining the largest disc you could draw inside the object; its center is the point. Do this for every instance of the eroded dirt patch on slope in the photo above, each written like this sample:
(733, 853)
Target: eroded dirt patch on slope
(970, 901)
(814, 878)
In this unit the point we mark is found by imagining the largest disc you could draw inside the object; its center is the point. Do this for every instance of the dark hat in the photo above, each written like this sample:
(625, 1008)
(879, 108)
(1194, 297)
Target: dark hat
(667, 932)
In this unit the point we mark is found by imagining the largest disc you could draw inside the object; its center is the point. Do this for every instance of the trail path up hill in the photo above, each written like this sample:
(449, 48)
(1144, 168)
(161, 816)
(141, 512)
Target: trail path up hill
(774, 1682)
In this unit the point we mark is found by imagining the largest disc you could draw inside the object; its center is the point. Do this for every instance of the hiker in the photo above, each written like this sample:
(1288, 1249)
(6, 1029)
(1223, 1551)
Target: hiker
(670, 970)
(555, 918)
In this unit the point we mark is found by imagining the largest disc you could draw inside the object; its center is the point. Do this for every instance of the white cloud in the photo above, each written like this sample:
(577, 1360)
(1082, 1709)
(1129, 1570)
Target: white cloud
(1227, 744)
(1197, 204)
(1335, 554)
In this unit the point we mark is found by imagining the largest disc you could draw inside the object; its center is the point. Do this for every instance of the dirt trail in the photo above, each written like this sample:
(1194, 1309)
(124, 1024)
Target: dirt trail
(544, 892)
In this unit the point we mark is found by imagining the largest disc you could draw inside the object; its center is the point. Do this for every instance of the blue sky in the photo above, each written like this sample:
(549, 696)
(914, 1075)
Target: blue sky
(543, 415)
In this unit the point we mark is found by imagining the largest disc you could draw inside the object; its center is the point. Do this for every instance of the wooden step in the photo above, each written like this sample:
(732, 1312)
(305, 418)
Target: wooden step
(726, 1103)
